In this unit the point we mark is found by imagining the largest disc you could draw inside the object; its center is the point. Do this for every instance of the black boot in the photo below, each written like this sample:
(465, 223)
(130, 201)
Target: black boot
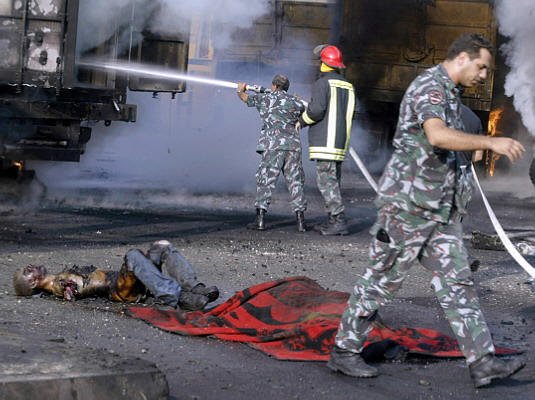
(191, 301)
(212, 292)
(300, 216)
(326, 224)
(259, 223)
(350, 363)
(337, 226)
(489, 367)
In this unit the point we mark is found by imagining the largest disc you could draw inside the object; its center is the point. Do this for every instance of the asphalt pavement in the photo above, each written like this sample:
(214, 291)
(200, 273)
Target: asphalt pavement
(210, 230)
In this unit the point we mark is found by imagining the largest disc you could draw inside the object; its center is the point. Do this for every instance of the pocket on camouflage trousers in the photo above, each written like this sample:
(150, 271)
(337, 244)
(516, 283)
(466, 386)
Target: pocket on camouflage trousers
(383, 253)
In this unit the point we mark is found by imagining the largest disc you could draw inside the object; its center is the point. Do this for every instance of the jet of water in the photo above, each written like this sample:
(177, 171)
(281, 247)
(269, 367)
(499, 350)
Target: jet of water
(144, 70)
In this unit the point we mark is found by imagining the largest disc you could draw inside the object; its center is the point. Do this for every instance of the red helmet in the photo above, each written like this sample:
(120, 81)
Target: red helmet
(331, 56)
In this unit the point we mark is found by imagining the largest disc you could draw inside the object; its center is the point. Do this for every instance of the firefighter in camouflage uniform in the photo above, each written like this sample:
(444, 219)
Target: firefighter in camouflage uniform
(419, 218)
(329, 116)
(279, 146)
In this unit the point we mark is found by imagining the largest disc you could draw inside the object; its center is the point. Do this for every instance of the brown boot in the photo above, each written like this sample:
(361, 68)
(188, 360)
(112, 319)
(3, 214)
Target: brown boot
(300, 217)
(259, 223)
(489, 367)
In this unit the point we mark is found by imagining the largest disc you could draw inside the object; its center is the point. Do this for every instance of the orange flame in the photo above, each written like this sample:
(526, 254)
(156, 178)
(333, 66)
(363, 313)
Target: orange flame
(492, 130)
(494, 118)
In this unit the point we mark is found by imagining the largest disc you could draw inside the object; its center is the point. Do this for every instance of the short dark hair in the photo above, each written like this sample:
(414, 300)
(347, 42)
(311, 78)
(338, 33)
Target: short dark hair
(281, 81)
(471, 43)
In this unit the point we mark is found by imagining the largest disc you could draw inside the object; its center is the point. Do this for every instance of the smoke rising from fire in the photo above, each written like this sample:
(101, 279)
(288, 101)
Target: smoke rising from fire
(516, 22)
(100, 19)
(201, 142)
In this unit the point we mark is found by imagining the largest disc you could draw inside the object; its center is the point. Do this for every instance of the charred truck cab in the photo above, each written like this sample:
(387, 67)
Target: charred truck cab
(46, 100)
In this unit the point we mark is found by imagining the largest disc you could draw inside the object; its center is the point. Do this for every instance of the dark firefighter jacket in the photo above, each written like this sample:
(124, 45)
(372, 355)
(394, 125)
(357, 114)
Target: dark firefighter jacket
(329, 116)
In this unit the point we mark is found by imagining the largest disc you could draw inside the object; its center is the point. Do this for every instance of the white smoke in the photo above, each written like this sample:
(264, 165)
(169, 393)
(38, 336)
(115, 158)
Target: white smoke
(100, 19)
(517, 22)
(203, 141)
(224, 15)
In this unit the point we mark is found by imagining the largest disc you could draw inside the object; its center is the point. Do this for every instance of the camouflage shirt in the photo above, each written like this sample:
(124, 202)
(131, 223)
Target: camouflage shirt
(279, 112)
(420, 178)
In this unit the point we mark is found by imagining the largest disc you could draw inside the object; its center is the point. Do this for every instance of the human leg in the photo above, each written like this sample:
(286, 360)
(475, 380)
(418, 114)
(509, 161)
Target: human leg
(328, 181)
(329, 185)
(397, 240)
(175, 265)
(446, 256)
(266, 178)
(163, 288)
(294, 176)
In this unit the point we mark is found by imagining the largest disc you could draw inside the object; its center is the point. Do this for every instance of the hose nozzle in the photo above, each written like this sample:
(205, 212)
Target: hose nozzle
(257, 89)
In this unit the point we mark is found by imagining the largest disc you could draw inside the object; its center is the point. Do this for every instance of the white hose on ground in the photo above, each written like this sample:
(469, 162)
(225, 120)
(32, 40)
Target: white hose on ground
(510, 247)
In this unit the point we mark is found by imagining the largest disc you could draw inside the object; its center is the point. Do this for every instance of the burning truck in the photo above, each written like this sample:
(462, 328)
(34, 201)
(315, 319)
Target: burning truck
(385, 44)
(46, 100)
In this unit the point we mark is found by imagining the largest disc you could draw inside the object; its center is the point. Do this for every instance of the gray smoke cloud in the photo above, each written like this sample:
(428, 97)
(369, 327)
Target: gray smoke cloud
(203, 141)
(98, 20)
(228, 15)
(174, 145)
(516, 21)
(164, 17)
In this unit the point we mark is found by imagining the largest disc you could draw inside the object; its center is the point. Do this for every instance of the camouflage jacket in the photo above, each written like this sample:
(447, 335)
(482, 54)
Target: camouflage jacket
(279, 112)
(419, 178)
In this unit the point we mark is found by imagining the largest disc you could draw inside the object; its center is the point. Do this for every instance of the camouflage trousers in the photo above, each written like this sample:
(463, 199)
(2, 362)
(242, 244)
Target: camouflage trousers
(329, 175)
(272, 164)
(399, 239)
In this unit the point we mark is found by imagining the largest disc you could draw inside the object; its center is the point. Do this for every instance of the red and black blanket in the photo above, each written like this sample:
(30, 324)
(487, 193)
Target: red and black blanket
(292, 319)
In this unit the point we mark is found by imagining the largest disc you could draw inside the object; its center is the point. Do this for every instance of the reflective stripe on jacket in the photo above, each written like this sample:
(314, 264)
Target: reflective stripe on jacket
(329, 116)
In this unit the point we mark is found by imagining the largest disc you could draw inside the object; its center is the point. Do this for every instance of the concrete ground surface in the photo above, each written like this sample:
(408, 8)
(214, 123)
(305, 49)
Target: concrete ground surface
(210, 231)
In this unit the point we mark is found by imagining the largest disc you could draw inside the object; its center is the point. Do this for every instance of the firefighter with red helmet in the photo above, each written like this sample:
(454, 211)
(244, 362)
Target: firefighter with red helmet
(329, 117)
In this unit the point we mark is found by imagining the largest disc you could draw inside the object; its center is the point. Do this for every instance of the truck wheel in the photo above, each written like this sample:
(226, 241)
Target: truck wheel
(532, 172)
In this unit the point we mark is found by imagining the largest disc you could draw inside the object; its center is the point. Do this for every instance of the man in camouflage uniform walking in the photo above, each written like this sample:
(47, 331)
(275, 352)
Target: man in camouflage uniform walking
(280, 147)
(418, 217)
